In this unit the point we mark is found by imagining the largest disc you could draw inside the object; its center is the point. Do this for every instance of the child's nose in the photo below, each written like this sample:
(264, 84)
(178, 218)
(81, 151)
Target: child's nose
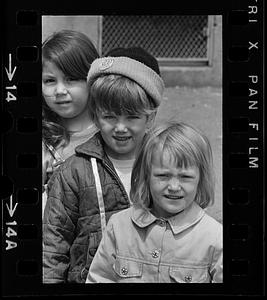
(174, 184)
(120, 127)
(61, 88)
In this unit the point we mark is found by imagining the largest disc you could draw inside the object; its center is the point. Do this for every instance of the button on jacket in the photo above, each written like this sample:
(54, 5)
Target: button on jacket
(138, 247)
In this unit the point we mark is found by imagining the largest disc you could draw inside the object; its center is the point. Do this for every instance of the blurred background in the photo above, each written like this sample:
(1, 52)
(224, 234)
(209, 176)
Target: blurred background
(189, 51)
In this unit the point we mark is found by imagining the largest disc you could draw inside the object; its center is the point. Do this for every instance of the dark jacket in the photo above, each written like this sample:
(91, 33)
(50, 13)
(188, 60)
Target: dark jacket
(71, 225)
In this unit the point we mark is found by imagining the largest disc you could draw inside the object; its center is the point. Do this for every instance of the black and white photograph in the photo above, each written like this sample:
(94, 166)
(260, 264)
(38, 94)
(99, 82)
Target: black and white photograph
(132, 149)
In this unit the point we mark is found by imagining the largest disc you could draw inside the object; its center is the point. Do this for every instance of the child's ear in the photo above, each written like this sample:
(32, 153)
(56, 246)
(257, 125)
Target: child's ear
(96, 123)
(95, 120)
(150, 120)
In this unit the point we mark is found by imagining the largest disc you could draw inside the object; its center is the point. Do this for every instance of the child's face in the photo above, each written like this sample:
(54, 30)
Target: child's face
(122, 133)
(65, 96)
(172, 189)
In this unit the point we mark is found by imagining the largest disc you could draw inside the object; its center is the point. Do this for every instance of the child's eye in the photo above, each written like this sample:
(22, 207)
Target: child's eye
(109, 117)
(133, 117)
(187, 176)
(48, 80)
(69, 79)
(162, 175)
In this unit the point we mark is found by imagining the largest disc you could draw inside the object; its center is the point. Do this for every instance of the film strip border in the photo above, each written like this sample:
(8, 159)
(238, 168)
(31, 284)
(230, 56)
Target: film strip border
(244, 170)
(243, 163)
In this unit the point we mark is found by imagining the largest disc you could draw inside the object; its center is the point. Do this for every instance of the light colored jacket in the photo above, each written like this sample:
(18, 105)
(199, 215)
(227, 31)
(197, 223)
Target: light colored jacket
(138, 247)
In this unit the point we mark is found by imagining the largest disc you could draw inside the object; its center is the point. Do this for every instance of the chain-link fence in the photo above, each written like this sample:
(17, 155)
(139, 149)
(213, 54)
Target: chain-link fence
(173, 38)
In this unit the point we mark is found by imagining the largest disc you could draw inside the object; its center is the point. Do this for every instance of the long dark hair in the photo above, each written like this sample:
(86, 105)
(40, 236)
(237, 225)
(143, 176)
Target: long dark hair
(72, 52)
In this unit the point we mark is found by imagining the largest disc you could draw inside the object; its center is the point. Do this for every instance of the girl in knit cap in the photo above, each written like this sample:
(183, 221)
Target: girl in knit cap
(66, 59)
(166, 236)
(125, 90)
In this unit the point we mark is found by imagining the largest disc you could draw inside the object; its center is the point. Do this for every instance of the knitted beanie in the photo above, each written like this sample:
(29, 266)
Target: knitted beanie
(134, 63)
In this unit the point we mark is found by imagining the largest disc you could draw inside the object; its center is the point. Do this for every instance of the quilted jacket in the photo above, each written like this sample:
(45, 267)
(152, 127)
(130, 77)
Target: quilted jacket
(73, 221)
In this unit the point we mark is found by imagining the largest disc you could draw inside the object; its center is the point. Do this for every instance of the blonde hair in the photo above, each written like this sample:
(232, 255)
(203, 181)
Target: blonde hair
(187, 147)
(118, 94)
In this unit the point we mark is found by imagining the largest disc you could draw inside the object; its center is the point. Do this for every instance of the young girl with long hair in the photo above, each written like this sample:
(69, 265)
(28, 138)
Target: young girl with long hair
(66, 59)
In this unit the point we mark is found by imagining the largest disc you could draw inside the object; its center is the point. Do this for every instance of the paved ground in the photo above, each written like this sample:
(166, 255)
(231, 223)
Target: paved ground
(201, 107)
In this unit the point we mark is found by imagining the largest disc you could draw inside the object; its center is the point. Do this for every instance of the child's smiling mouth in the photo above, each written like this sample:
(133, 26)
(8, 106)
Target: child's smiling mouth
(63, 102)
(173, 197)
(122, 138)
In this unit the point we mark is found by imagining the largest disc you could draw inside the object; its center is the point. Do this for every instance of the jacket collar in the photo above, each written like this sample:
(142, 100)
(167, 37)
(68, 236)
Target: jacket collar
(92, 147)
(178, 223)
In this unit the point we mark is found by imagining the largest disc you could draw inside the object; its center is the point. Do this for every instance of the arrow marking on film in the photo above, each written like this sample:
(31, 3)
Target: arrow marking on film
(10, 208)
(9, 72)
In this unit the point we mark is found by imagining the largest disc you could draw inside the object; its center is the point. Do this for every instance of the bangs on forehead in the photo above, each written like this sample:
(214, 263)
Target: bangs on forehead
(66, 63)
(179, 155)
(121, 97)
(70, 66)
(119, 103)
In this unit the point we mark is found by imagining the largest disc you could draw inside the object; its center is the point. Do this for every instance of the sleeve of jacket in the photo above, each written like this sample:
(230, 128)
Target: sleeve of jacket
(60, 217)
(46, 164)
(216, 269)
(101, 269)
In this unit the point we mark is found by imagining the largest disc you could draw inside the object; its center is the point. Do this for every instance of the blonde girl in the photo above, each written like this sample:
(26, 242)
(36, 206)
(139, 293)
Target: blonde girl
(166, 236)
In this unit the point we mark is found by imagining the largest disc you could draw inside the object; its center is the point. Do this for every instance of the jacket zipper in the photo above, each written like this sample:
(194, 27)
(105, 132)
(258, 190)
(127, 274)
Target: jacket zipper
(125, 194)
(118, 179)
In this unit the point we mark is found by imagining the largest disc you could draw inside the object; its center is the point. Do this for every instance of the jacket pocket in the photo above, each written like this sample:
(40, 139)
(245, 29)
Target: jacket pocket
(189, 274)
(125, 268)
(94, 239)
